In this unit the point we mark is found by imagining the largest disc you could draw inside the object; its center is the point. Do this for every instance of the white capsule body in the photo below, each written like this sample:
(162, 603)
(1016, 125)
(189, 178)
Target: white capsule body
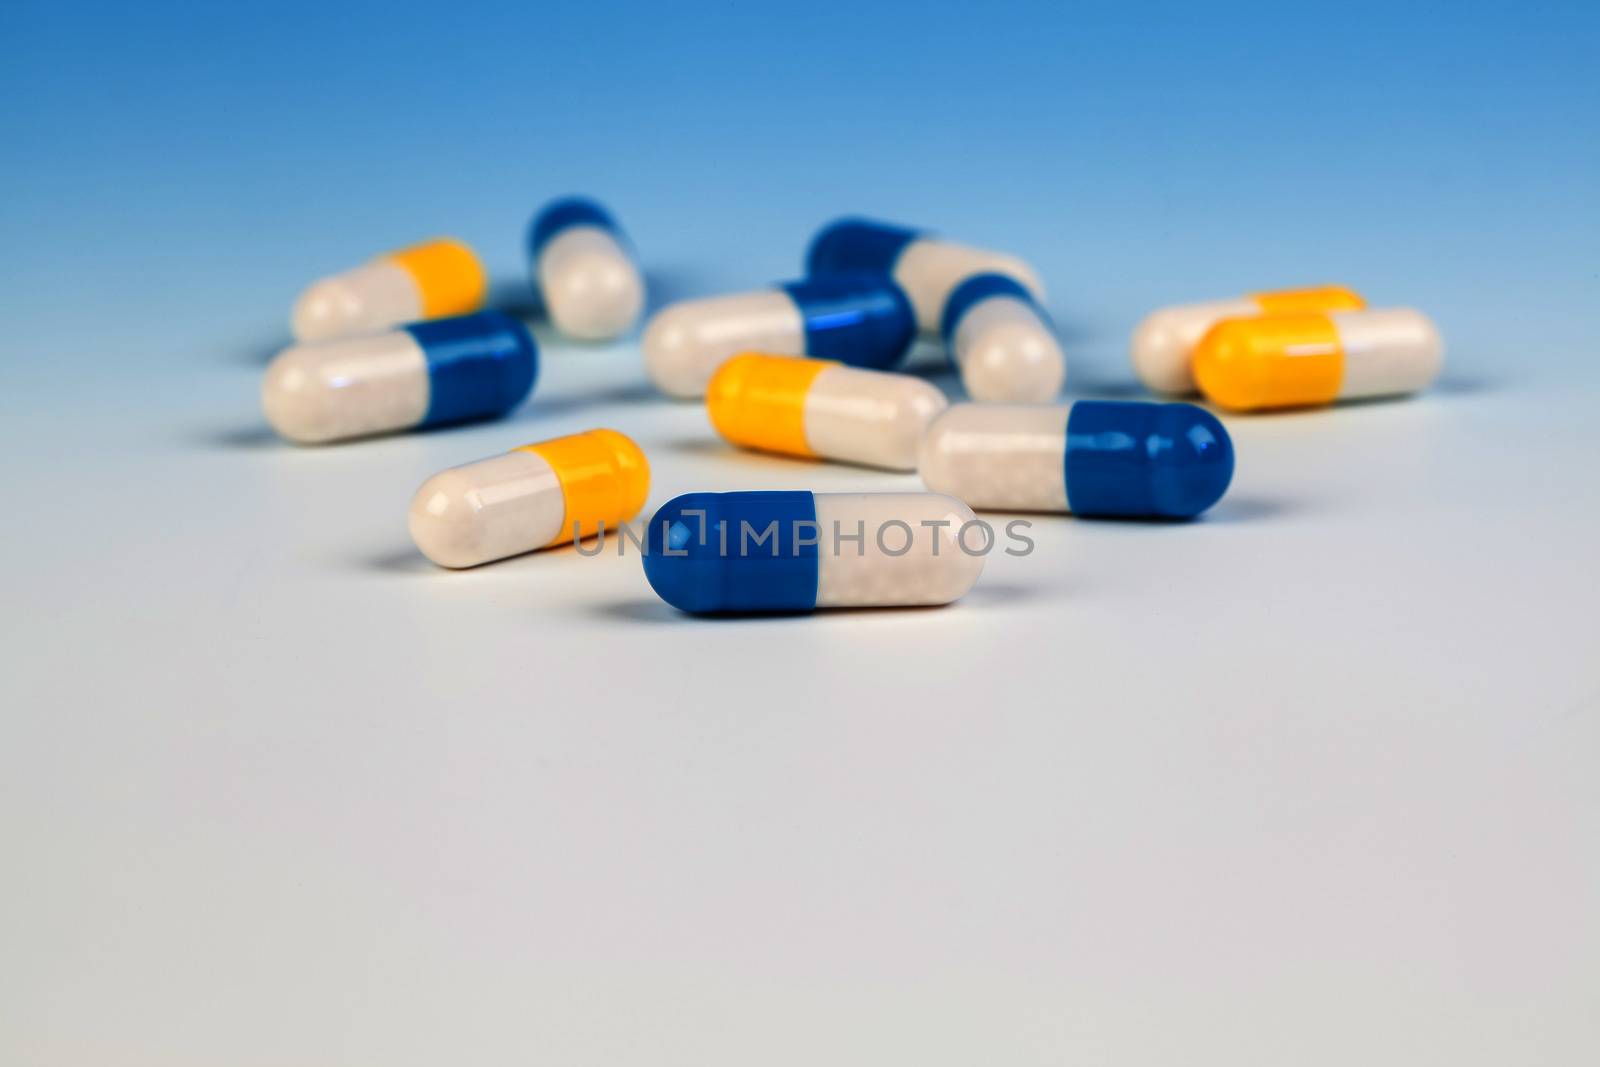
(1007, 352)
(685, 344)
(874, 418)
(1163, 341)
(352, 387)
(998, 456)
(1387, 352)
(896, 549)
(498, 507)
(929, 270)
(373, 296)
(591, 285)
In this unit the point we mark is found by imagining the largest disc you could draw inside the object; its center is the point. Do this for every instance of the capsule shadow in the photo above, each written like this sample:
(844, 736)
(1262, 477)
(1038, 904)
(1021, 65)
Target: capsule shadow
(239, 438)
(1248, 509)
(623, 394)
(400, 561)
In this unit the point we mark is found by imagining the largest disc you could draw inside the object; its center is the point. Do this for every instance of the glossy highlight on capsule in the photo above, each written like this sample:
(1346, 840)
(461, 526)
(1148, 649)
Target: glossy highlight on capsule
(862, 320)
(433, 280)
(822, 409)
(1163, 344)
(927, 267)
(583, 267)
(1281, 361)
(1002, 342)
(1113, 459)
(425, 374)
(766, 552)
(532, 497)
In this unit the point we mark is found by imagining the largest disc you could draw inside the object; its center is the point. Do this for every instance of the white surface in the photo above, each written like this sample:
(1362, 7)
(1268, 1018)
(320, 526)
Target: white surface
(1007, 353)
(349, 387)
(929, 269)
(590, 283)
(876, 551)
(685, 344)
(1310, 780)
(869, 417)
(487, 510)
(373, 296)
(999, 456)
(1387, 351)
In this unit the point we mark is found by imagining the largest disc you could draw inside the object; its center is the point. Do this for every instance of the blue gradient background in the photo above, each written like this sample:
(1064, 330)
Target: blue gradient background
(181, 173)
(1309, 781)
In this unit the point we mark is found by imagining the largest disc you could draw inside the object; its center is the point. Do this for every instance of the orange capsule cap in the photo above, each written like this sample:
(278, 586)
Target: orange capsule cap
(759, 401)
(448, 275)
(604, 477)
(1320, 298)
(1274, 361)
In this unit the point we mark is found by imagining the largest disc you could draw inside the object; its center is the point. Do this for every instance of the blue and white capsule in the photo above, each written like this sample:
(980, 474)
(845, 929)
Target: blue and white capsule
(1113, 459)
(583, 266)
(862, 320)
(741, 553)
(1002, 342)
(425, 374)
(928, 268)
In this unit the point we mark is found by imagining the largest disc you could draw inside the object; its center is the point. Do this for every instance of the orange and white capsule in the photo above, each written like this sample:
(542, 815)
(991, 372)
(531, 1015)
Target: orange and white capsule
(1163, 344)
(1280, 361)
(822, 409)
(530, 498)
(432, 280)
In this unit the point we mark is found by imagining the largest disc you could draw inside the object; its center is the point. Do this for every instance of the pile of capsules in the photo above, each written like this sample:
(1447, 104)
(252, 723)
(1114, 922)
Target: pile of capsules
(806, 369)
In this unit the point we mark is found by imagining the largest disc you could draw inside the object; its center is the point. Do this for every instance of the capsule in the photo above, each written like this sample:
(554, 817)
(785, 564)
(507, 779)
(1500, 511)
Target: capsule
(927, 268)
(730, 553)
(582, 264)
(1002, 342)
(433, 280)
(1163, 344)
(860, 319)
(1284, 361)
(532, 497)
(822, 409)
(1095, 458)
(425, 374)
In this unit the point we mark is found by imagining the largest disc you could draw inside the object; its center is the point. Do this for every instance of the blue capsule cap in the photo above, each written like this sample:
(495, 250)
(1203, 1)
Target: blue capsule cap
(864, 320)
(857, 244)
(561, 214)
(975, 290)
(726, 553)
(479, 366)
(1142, 460)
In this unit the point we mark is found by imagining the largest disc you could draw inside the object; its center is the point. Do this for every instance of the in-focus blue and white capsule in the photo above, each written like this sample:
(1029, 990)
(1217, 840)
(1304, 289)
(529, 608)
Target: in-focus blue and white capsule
(425, 374)
(863, 320)
(733, 553)
(1002, 342)
(1122, 459)
(583, 266)
(928, 268)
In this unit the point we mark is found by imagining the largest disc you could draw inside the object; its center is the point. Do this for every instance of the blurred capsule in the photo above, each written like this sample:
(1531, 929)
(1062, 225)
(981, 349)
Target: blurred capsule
(928, 268)
(432, 280)
(859, 319)
(584, 268)
(1163, 344)
(1279, 361)
(426, 374)
(1002, 342)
